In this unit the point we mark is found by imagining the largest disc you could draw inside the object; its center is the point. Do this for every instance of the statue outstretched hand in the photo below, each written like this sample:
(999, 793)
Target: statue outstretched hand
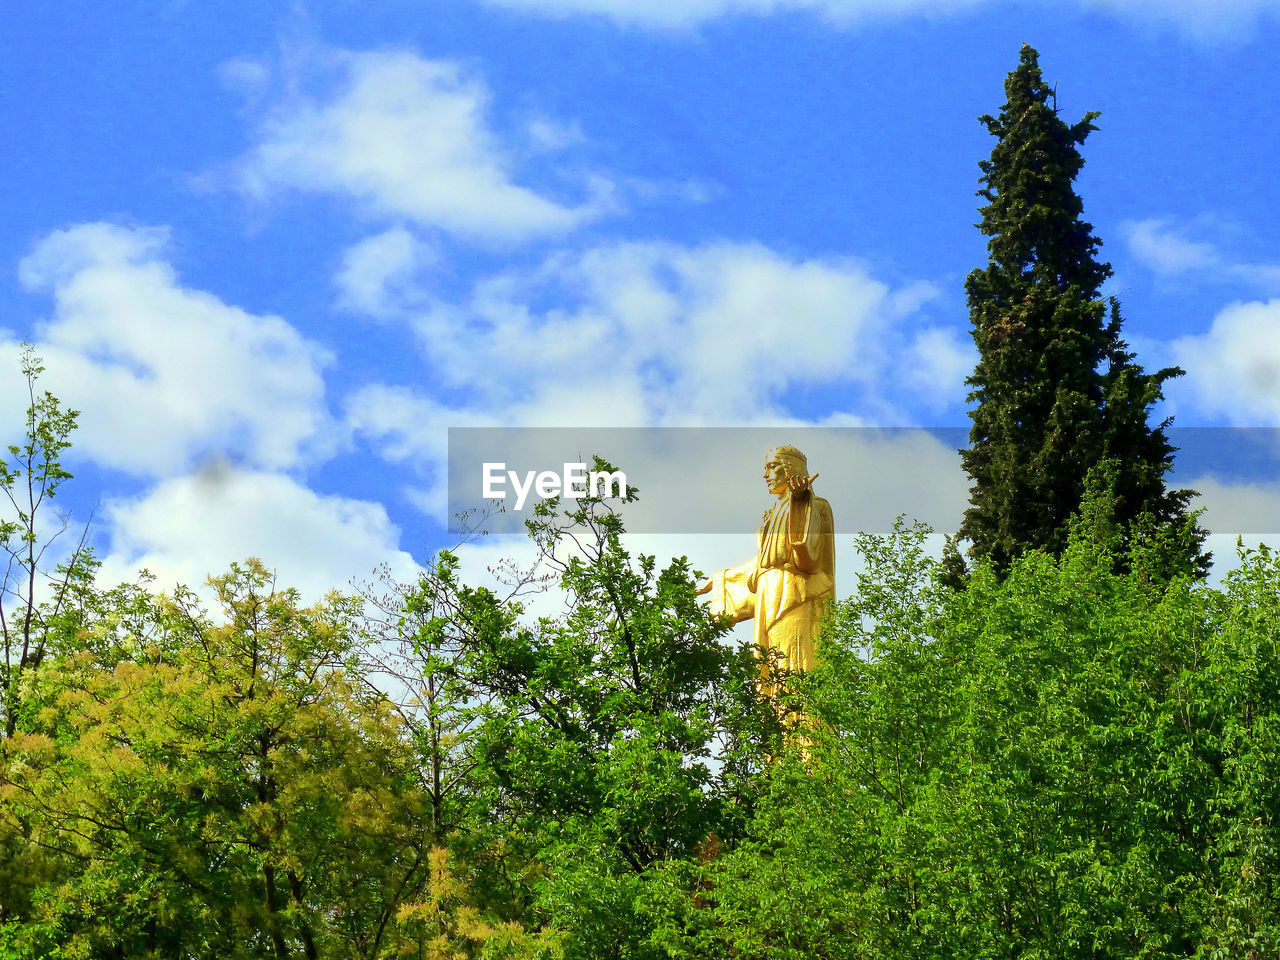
(801, 487)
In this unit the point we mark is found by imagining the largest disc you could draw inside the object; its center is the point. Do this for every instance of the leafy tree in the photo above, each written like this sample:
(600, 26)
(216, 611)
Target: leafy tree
(1076, 756)
(234, 792)
(826, 869)
(445, 925)
(412, 653)
(1066, 760)
(1056, 390)
(33, 594)
(599, 728)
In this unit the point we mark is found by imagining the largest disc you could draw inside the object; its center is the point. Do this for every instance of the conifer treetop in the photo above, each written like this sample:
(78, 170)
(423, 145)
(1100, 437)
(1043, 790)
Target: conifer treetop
(1032, 213)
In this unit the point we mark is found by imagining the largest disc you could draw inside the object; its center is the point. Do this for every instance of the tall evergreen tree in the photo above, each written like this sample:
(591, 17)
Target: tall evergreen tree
(1056, 390)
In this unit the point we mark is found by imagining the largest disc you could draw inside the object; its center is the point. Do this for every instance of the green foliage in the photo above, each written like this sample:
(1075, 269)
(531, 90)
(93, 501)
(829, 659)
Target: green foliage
(33, 597)
(599, 727)
(1074, 756)
(414, 639)
(1056, 390)
(1069, 760)
(237, 794)
(445, 925)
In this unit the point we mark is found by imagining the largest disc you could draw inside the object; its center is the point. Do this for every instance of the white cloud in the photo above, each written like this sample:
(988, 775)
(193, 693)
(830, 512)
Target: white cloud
(937, 363)
(1205, 20)
(1164, 246)
(663, 334)
(688, 13)
(1165, 249)
(408, 427)
(1224, 19)
(250, 78)
(1225, 549)
(411, 429)
(189, 527)
(486, 562)
(490, 561)
(410, 138)
(380, 270)
(1234, 368)
(673, 191)
(165, 375)
(643, 335)
(546, 134)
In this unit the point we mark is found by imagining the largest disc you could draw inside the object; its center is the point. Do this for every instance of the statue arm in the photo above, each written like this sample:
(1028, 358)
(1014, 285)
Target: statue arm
(733, 592)
(811, 532)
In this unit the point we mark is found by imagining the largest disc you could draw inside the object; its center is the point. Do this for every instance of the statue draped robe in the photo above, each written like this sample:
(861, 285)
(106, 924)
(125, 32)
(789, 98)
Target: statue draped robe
(786, 585)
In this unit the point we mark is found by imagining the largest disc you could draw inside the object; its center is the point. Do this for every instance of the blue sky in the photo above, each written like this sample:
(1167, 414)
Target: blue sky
(272, 251)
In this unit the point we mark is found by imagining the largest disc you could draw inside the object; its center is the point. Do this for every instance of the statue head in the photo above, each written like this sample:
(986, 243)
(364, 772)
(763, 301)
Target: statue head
(782, 463)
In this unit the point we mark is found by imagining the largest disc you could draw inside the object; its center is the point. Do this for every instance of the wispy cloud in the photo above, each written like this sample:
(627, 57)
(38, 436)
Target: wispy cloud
(1212, 21)
(380, 274)
(1222, 20)
(167, 375)
(713, 333)
(668, 15)
(936, 364)
(648, 334)
(409, 138)
(1169, 248)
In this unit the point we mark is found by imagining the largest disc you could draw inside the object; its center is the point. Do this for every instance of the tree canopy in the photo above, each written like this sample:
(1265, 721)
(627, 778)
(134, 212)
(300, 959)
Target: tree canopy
(1056, 390)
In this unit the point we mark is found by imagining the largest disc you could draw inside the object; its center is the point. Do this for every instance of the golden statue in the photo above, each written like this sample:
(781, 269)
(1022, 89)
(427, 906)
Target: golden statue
(787, 584)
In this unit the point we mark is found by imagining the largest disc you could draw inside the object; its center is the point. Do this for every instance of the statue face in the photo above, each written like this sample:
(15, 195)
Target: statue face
(775, 474)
